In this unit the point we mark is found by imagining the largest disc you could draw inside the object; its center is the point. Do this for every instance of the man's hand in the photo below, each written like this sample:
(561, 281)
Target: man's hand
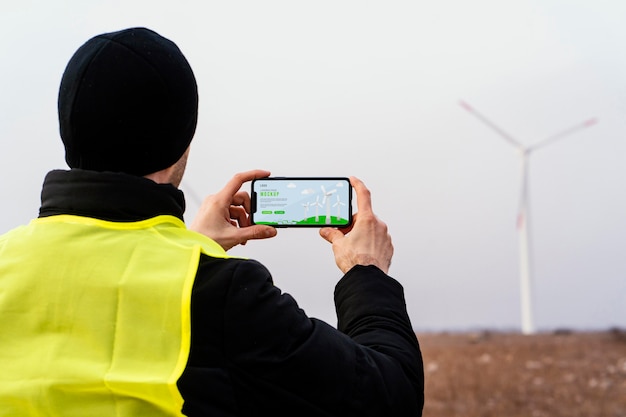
(367, 241)
(225, 216)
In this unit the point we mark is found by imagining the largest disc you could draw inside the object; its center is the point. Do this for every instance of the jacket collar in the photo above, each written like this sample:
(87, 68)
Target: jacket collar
(108, 196)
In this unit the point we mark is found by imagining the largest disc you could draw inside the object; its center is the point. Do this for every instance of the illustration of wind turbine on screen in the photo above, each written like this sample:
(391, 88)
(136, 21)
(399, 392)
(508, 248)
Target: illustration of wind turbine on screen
(338, 204)
(317, 205)
(523, 221)
(326, 200)
(306, 208)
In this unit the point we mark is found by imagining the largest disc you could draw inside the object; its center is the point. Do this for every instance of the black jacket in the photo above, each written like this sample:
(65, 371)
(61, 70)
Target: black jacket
(253, 350)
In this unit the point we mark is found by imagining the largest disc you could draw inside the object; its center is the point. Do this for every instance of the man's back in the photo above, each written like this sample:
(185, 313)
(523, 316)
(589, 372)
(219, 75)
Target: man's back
(98, 315)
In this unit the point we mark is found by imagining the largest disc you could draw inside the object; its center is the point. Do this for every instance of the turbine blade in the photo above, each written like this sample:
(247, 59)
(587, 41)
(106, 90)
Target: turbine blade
(486, 121)
(566, 132)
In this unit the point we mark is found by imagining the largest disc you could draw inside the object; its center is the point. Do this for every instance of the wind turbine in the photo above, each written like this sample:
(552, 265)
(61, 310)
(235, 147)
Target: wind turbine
(326, 200)
(306, 209)
(528, 326)
(317, 208)
(338, 204)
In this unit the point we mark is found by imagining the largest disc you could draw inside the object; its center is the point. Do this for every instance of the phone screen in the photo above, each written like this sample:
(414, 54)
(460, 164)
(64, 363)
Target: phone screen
(302, 201)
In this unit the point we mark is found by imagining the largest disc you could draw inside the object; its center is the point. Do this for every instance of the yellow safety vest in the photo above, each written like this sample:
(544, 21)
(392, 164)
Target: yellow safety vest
(95, 316)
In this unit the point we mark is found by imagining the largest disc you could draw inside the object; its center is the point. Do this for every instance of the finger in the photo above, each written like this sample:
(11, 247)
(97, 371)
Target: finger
(235, 183)
(242, 198)
(363, 195)
(238, 214)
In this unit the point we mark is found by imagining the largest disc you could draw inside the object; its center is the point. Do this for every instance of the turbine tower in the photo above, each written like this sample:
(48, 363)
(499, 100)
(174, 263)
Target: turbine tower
(317, 206)
(338, 204)
(523, 214)
(326, 200)
(306, 209)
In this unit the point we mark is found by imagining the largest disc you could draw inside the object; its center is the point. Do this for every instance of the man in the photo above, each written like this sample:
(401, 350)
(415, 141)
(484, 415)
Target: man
(110, 306)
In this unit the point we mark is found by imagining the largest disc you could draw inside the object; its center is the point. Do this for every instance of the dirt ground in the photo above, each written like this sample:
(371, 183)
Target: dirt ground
(483, 374)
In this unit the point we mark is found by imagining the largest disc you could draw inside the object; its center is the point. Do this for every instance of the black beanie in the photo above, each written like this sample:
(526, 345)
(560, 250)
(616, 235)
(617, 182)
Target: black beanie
(128, 102)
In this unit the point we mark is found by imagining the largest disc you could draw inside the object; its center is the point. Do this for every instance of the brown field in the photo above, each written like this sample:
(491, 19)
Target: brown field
(483, 374)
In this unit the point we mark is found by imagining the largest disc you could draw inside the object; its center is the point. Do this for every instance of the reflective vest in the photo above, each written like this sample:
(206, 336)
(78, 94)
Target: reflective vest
(95, 315)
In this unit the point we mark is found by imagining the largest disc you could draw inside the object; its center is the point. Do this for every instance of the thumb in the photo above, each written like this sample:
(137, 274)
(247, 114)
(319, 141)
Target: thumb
(260, 231)
(330, 234)
(241, 235)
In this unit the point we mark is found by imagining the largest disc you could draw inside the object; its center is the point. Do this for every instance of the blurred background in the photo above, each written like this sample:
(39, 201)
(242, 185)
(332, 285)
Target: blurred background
(372, 89)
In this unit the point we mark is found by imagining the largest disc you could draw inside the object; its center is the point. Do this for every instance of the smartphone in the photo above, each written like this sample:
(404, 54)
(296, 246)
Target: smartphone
(302, 201)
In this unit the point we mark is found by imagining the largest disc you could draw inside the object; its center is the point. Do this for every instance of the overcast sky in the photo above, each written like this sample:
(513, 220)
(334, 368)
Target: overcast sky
(372, 89)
